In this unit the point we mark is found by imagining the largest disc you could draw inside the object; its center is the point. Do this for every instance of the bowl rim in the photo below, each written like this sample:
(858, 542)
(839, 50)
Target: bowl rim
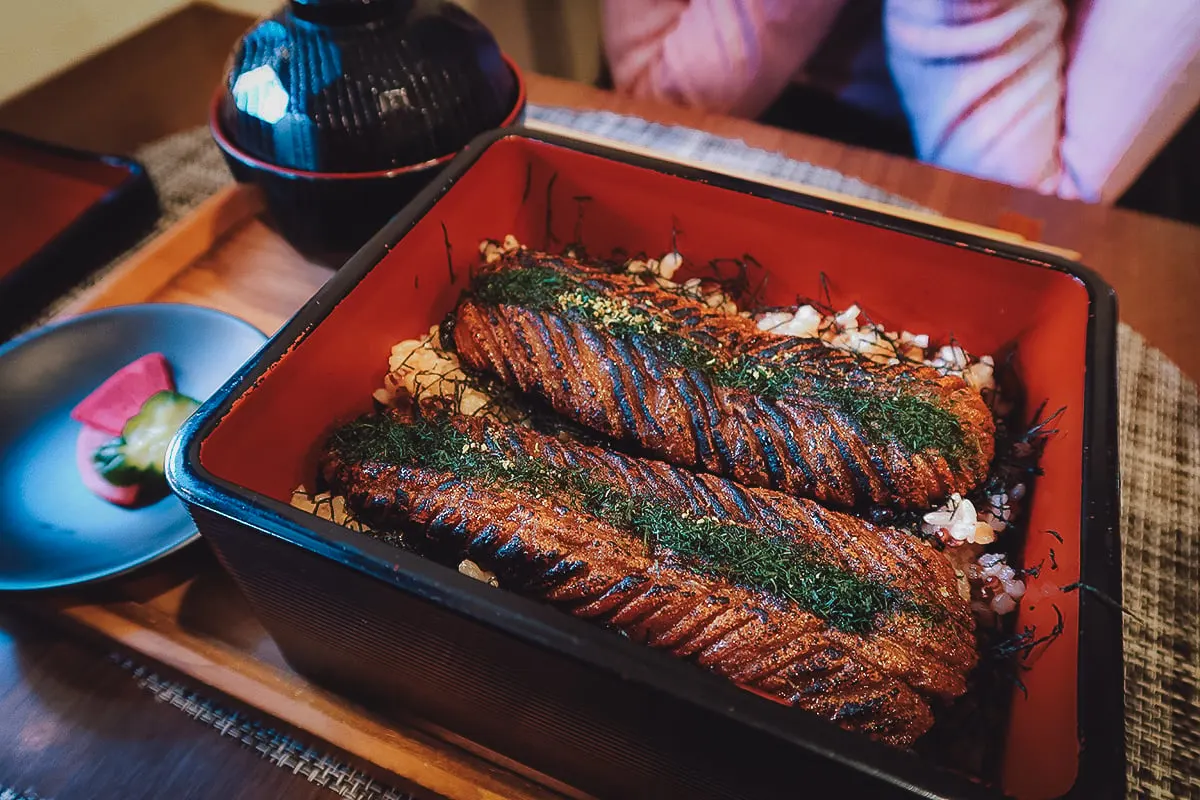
(231, 149)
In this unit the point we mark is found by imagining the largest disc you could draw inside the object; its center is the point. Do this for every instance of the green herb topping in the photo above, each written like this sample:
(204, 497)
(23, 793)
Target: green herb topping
(916, 422)
(532, 287)
(738, 553)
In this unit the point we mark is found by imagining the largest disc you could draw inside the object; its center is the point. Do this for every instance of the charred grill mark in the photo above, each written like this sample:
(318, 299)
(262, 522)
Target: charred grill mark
(819, 521)
(741, 501)
(783, 429)
(484, 540)
(692, 420)
(677, 483)
(505, 439)
(575, 382)
(642, 477)
(685, 316)
(861, 483)
(623, 399)
(558, 341)
(853, 710)
(649, 358)
(772, 463)
(630, 473)
(774, 350)
(562, 571)
(600, 410)
(711, 404)
(637, 379)
(700, 498)
(521, 339)
(698, 393)
(538, 323)
(879, 466)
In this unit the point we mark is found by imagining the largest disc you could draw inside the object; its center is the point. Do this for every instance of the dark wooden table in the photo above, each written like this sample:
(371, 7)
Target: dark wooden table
(76, 725)
(73, 723)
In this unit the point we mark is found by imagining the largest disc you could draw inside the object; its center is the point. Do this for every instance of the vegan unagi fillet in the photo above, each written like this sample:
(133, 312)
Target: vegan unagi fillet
(708, 390)
(819, 609)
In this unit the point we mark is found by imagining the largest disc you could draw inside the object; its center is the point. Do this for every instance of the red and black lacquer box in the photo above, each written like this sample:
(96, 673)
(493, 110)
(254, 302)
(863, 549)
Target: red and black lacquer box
(407, 636)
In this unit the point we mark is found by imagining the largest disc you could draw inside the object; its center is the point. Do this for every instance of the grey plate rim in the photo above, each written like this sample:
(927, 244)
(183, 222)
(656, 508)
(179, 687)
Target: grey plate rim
(97, 576)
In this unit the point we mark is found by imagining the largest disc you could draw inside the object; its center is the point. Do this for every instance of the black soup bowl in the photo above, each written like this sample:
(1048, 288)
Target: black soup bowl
(342, 110)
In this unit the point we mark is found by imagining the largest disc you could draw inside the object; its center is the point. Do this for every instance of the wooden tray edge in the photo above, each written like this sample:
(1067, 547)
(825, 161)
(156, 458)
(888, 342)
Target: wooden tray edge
(147, 271)
(947, 223)
(424, 760)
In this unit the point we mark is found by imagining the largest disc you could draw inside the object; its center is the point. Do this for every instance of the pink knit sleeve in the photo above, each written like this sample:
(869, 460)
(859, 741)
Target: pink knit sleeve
(1133, 77)
(731, 56)
(999, 89)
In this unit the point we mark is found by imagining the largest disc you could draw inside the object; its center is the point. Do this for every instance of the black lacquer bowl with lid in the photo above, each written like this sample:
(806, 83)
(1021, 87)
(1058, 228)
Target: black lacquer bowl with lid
(342, 110)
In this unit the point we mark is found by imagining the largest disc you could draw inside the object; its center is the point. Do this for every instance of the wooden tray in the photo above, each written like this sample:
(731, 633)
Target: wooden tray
(184, 612)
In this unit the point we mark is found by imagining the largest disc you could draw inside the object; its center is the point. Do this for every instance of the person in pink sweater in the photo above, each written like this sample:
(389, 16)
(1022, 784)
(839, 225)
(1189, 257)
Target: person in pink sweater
(1068, 98)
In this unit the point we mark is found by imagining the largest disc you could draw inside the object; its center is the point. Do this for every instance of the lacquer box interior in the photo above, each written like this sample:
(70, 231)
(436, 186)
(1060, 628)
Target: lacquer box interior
(410, 637)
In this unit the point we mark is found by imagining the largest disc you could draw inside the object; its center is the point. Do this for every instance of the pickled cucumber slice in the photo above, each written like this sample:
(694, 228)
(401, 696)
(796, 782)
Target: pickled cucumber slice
(137, 456)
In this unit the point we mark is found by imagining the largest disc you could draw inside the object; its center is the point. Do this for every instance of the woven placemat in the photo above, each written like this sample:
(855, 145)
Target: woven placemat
(1160, 559)
(313, 764)
(1159, 445)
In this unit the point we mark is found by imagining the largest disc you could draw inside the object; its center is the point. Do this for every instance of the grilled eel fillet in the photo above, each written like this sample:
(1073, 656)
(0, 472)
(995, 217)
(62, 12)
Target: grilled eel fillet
(601, 362)
(875, 679)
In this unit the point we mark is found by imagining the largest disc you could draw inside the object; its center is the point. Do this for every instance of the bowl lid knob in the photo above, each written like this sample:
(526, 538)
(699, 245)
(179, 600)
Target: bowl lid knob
(344, 12)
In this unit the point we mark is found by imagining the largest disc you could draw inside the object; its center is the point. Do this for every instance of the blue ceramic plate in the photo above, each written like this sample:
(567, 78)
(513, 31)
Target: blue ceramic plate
(53, 531)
